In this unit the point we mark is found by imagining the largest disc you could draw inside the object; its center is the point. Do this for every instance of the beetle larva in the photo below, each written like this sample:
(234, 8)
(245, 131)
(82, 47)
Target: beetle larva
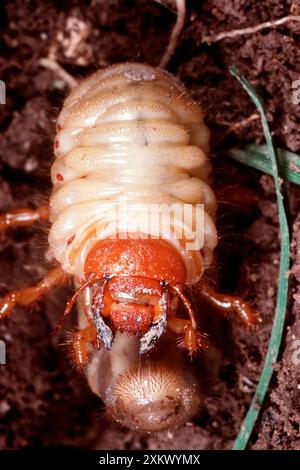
(130, 136)
(130, 130)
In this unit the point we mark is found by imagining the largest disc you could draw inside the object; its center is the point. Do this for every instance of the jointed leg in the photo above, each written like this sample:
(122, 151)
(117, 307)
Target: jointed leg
(80, 344)
(71, 302)
(20, 217)
(228, 303)
(192, 339)
(55, 277)
(187, 306)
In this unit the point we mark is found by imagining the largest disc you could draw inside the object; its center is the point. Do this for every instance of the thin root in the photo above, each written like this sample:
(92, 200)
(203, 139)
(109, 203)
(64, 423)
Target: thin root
(59, 71)
(181, 12)
(251, 30)
(239, 125)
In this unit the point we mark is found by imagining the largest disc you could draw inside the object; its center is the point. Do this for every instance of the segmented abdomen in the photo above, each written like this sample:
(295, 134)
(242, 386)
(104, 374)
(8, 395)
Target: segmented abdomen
(131, 131)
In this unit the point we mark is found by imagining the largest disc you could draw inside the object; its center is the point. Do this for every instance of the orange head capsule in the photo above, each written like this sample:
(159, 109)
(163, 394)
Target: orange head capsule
(134, 291)
(142, 257)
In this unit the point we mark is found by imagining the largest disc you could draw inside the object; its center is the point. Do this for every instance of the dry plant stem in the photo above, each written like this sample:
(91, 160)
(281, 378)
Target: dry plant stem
(251, 30)
(59, 71)
(181, 12)
(238, 125)
(187, 306)
(243, 123)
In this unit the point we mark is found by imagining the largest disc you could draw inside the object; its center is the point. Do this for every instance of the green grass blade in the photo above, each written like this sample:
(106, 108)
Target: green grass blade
(282, 293)
(257, 157)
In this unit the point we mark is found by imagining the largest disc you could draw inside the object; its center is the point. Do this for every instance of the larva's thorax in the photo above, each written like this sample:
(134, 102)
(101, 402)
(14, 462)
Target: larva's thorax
(126, 136)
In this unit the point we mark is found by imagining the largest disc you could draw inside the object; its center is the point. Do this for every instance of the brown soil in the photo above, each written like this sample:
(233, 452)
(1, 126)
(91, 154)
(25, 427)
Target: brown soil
(44, 402)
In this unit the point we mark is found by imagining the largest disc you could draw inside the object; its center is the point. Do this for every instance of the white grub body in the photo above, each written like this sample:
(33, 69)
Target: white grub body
(131, 131)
